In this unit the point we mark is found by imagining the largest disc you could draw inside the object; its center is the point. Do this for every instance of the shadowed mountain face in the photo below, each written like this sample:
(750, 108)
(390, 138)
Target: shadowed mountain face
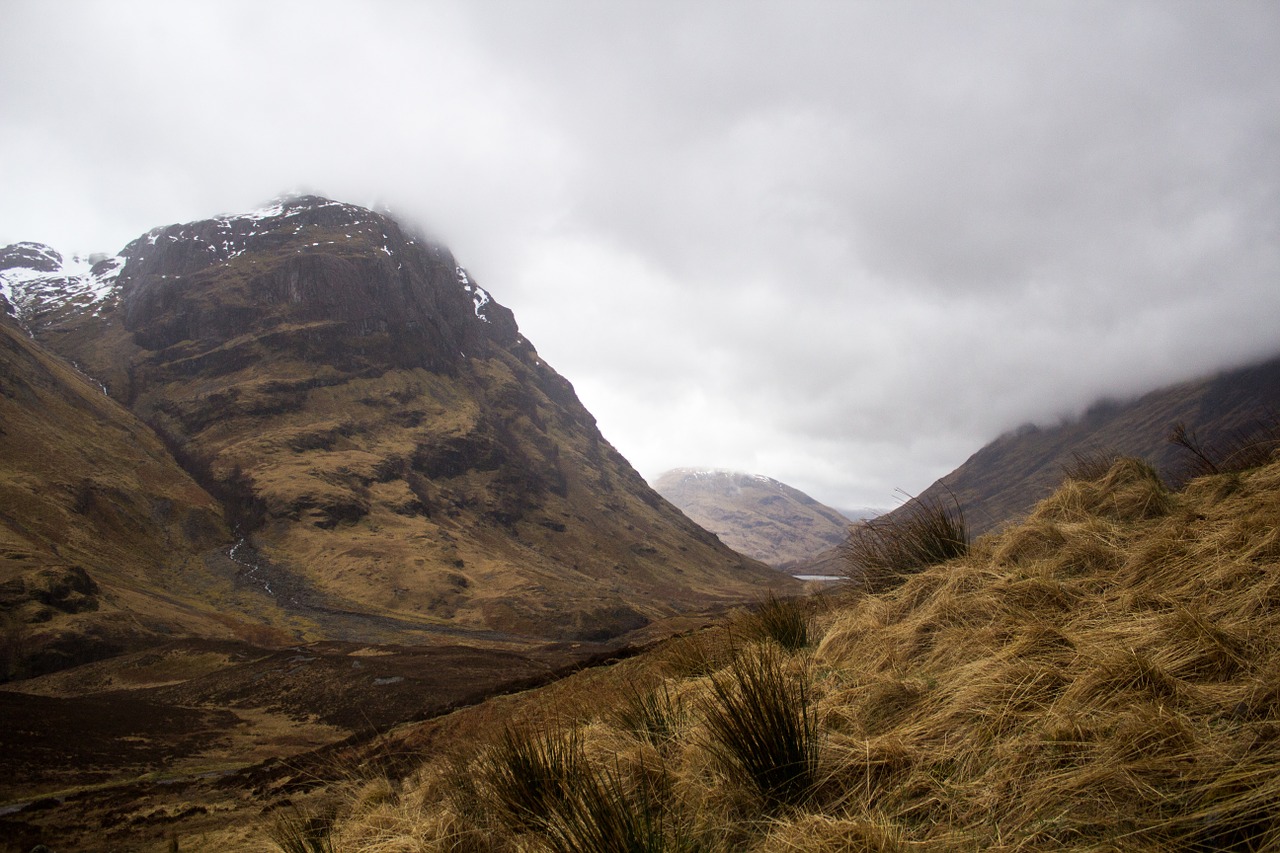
(1005, 479)
(754, 515)
(394, 457)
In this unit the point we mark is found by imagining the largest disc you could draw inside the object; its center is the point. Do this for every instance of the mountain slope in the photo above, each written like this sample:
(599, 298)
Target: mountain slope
(1004, 479)
(399, 459)
(105, 543)
(755, 515)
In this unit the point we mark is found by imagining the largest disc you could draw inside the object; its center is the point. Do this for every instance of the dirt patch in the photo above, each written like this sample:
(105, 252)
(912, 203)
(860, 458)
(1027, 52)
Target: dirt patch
(325, 681)
(50, 743)
(195, 736)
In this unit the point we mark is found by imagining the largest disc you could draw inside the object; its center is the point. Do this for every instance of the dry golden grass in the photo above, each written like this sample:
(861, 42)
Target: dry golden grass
(1105, 676)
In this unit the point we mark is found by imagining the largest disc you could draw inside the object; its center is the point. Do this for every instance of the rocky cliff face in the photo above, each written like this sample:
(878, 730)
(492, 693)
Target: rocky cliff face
(755, 515)
(397, 457)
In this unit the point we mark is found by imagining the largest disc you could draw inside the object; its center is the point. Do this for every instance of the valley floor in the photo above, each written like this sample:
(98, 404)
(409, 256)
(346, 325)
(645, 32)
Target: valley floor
(197, 737)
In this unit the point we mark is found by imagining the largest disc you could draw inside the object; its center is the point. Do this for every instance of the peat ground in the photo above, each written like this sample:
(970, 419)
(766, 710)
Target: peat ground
(188, 738)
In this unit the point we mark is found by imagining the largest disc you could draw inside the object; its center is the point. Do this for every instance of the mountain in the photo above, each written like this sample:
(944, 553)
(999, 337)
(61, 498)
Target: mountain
(1006, 478)
(357, 443)
(755, 515)
(101, 532)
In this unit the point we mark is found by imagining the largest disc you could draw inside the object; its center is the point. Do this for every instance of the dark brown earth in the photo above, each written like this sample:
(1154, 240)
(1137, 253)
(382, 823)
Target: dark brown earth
(196, 735)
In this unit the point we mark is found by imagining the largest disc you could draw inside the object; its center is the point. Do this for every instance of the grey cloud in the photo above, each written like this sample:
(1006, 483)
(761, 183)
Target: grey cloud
(841, 244)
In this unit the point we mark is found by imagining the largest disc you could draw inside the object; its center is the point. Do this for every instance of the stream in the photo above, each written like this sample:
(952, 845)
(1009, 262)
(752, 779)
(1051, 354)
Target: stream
(251, 570)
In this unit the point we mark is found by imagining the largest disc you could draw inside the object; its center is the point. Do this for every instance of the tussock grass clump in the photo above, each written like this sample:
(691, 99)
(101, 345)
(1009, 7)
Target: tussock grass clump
(1035, 540)
(761, 721)
(1131, 490)
(1090, 466)
(528, 775)
(696, 655)
(784, 621)
(886, 703)
(542, 784)
(925, 531)
(654, 714)
(295, 832)
(603, 816)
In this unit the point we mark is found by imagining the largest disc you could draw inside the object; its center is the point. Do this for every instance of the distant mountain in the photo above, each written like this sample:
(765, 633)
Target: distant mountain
(1005, 479)
(394, 457)
(755, 515)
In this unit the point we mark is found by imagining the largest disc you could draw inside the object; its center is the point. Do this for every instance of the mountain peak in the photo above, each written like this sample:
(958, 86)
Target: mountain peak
(755, 515)
(344, 277)
(396, 454)
(312, 258)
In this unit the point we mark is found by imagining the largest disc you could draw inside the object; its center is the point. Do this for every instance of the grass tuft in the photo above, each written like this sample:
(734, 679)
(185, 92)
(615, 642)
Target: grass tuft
(784, 621)
(1089, 466)
(694, 655)
(653, 715)
(602, 816)
(529, 774)
(926, 531)
(295, 832)
(762, 722)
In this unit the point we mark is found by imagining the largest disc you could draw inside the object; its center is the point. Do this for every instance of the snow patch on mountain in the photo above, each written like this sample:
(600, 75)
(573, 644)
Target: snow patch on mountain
(35, 278)
(479, 296)
(233, 234)
(724, 474)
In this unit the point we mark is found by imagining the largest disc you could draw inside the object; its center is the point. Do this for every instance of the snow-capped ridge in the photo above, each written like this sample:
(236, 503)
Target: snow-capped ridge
(722, 474)
(232, 234)
(35, 278)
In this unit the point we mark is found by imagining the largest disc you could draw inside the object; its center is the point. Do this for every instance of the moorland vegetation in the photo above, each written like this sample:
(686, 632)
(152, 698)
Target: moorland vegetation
(1103, 675)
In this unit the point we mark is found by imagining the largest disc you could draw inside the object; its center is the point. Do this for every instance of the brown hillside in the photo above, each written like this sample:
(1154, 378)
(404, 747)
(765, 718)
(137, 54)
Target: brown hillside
(1101, 677)
(400, 459)
(103, 538)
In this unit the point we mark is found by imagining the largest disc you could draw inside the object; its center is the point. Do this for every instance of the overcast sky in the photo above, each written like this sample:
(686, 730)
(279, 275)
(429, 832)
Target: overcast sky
(841, 244)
